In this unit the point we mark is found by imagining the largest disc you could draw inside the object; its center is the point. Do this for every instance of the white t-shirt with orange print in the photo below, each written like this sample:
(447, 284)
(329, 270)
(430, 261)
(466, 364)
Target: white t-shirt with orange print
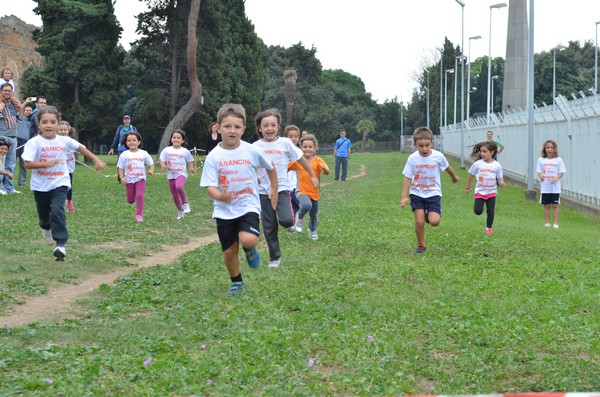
(425, 173)
(234, 171)
(281, 151)
(550, 168)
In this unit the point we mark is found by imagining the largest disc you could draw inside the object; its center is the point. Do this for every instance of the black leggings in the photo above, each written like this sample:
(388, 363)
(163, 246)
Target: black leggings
(490, 205)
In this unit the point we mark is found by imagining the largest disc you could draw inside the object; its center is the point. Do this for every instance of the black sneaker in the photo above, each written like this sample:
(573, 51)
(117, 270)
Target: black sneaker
(60, 253)
(420, 250)
(236, 287)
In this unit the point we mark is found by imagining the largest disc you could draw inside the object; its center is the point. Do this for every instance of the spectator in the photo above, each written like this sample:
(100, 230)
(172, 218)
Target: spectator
(9, 115)
(22, 138)
(214, 137)
(7, 77)
(341, 154)
(122, 130)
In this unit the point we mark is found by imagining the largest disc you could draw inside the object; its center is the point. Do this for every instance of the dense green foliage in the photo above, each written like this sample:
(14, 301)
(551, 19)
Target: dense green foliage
(354, 313)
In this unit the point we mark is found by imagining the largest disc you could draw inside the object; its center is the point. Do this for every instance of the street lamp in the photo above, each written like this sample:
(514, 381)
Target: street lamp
(446, 95)
(493, 78)
(462, 83)
(596, 60)
(559, 47)
(499, 5)
(455, 86)
(427, 106)
(469, 73)
(441, 84)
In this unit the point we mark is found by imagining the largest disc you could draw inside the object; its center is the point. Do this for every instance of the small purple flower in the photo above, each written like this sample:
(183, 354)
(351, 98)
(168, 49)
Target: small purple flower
(203, 346)
(148, 361)
(48, 380)
(210, 382)
(311, 361)
(371, 338)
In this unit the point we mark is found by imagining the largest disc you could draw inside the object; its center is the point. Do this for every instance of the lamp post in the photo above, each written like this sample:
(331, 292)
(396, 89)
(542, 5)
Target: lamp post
(559, 47)
(469, 75)
(462, 84)
(499, 5)
(427, 105)
(493, 78)
(596, 60)
(455, 86)
(441, 84)
(446, 95)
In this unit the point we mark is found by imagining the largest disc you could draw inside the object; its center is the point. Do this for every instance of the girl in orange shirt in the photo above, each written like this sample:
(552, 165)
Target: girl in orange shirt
(308, 195)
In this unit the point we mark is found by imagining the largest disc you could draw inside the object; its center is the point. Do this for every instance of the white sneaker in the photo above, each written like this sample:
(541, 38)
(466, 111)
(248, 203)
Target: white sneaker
(556, 226)
(3, 192)
(547, 225)
(292, 229)
(313, 235)
(186, 208)
(298, 224)
(180, 215)
(275, 262)
(60, 253)
(14, 192)
(47, 236)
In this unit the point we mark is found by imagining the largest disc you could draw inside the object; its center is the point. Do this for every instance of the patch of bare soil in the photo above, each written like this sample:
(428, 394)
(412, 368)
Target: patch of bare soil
(57, 303)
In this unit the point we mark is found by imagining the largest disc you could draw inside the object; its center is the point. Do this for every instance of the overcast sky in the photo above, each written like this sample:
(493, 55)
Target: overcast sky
(387, 42)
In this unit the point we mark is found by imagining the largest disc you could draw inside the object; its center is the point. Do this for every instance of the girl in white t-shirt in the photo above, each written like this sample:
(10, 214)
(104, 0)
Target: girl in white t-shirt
(132, 171)
(281, 151)
(488, 174)
(293, 132)
(46, 154)
(175, 159)
(65, 129)
(550, 169)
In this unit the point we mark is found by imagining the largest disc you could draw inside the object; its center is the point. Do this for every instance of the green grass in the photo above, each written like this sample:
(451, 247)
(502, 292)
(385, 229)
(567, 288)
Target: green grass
(354, 313)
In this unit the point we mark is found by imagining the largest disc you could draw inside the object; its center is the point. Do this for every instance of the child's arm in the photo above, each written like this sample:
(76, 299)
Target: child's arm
(501, 182)
(163, 165)
(122, 175)
(556, 178)
(218, 195)
(6, 174)
(324, 168)
(468, 186)
(30, 165)
(452, 174)
(100, 165)
(151, 169)
(405, 186)
(274, 193)
(192, 167)
(306, 165)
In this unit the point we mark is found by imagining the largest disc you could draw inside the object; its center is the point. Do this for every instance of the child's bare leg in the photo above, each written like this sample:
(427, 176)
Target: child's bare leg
(434, 218)
(547, 213)
(420, 226)
(248, 240)
(231, 259)
(555, 207)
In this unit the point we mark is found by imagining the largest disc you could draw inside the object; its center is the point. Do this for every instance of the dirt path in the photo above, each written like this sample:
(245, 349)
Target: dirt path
(57, 303)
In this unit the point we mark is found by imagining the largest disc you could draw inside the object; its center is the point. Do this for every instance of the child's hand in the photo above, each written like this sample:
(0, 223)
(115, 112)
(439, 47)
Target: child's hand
(9, 175)
(193, 171)
(273, 196)
(163, 165)
(100, 165)
(554, 180)
(403, 202)
(455, 179)
(52, 162)
(315, 182)
(151, 172)
(225, 196)
(501, 183)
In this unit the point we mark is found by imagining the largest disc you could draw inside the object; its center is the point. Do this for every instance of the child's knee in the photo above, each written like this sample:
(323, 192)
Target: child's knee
(478, 211)
(248, 240)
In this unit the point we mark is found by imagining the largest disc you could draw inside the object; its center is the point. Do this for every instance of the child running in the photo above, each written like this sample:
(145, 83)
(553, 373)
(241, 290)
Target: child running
(309, 195)
(292, 132)
(132, 171)
(47, 155)
(281, 151)
(488, 174)
(230, 177)
(65, 129)
(4, 148)
(550, 169)
(174, 159)
(422, 176)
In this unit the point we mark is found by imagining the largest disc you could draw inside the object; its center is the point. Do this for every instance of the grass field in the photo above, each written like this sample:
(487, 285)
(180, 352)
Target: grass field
(354, 313)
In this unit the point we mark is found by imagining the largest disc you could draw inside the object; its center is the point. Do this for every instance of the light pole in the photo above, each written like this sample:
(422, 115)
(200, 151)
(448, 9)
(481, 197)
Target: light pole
(499, 5)
(427, 106)
(559, 47)
(462, 84)
(455, 86)
(596, 60)
(446, 95)
(493, 78)
(472, 90)
(441, 84)
(469, 75)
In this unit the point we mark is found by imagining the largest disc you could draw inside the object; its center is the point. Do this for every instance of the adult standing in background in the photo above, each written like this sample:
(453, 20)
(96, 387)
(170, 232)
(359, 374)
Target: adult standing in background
(22, 138)
(117, 144)
(10, 107)
(499, 145)
(341, 153)
(214, 137)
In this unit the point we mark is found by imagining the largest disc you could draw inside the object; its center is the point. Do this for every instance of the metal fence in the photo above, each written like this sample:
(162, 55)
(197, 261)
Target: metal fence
(575, 126)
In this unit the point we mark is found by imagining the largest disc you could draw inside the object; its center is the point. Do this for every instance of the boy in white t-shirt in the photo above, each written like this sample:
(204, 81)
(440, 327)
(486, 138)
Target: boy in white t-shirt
(281, 151)
(47, 155)
(230, 176)
(422, 176)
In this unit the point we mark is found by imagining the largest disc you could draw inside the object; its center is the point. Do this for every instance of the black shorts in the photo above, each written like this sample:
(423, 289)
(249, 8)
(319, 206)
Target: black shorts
(229, 229)
(550, 198)
(428, 204)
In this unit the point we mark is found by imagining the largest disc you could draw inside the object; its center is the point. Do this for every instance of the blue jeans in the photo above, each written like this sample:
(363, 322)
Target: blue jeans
(10, 163)
(344, 162)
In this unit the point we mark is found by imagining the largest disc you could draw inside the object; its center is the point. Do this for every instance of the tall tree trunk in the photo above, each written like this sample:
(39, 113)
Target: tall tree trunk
(175, 67)
(195, 101)
(290, 76)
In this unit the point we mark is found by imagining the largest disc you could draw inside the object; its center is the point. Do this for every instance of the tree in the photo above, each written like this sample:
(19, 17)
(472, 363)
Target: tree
(365, 127)
(82, 62)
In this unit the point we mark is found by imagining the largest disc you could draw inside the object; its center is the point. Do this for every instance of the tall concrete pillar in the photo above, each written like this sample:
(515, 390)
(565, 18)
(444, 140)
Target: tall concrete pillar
(515, 68)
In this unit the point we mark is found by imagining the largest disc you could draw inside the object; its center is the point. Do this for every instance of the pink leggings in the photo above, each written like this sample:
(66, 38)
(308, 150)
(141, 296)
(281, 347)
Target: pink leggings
(135, 193)
(178, 191)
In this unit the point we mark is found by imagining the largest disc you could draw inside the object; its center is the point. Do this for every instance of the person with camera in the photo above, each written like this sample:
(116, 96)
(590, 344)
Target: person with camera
(10, 108)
